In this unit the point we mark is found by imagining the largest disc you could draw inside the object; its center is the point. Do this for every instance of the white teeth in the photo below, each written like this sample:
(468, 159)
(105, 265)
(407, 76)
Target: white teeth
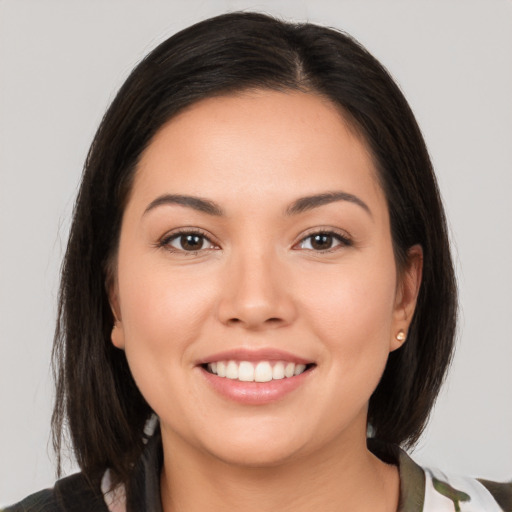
(278, 371)
(289, 370)
(232, 370)
(299, 369)
(263, 371)
(221, 369)
(246, 371)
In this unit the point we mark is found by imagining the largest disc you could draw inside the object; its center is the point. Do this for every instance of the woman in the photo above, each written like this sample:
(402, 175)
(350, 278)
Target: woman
(259, 258)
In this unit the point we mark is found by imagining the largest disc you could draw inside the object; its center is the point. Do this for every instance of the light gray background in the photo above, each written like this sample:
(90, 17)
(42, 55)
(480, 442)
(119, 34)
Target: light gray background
(60, 65)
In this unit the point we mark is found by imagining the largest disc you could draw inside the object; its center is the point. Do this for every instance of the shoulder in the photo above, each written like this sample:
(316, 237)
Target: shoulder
(502, 493)
(74, 493)
(449, 492)
(43, 501)
(425, 489)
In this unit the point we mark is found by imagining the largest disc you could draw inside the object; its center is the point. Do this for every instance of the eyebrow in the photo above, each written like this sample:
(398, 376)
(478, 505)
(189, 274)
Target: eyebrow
(300, 205)
(196, 203)
(308, 203)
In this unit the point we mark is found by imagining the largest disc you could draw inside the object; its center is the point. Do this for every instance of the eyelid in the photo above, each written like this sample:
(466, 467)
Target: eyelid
(340, 235)
(164, 241)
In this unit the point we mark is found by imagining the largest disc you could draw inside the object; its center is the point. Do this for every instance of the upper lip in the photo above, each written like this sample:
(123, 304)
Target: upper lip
(244, 354)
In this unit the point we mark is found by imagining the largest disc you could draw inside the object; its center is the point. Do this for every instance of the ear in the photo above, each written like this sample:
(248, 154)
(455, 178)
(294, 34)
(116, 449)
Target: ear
(117, 335)
(408, 288)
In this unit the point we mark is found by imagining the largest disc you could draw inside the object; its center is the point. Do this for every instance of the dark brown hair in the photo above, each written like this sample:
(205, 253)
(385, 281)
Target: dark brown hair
(97, 398)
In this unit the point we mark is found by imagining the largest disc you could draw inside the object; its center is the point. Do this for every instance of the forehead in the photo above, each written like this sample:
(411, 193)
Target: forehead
(258, 143)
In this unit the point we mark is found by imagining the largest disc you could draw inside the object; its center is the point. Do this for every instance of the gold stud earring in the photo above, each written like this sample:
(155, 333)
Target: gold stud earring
(401, 336)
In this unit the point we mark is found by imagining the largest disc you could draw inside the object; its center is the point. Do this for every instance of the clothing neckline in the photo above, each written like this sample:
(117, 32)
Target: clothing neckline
(144, 488)
(412, 476)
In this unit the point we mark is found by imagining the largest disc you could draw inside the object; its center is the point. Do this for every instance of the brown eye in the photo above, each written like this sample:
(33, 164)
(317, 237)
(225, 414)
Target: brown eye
(323, 242)
(188, 242)
(191, 242)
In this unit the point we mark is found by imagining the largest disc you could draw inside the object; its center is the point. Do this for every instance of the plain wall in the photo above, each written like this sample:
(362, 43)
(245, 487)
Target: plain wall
(61, 62)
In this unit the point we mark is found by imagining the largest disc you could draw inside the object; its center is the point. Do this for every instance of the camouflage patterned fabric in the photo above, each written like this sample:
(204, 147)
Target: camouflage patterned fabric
(421, 489)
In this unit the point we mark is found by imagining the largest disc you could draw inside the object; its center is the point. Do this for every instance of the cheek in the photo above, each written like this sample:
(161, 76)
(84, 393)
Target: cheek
(162, 314)
(351, 294)
(157, 301)
(351, 309)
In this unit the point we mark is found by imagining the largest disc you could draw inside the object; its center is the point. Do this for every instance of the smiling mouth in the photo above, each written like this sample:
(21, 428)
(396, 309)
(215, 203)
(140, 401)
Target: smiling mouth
(260, 371)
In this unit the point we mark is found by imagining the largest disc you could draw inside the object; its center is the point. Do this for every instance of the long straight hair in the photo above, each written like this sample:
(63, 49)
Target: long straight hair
(97, 398)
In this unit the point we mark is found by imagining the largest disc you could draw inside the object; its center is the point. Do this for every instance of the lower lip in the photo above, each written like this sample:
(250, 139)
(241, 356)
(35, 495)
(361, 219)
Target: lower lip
(255, 393)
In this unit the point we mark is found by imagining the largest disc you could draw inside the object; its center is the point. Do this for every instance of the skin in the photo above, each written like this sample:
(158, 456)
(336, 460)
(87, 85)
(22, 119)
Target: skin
(259, 283)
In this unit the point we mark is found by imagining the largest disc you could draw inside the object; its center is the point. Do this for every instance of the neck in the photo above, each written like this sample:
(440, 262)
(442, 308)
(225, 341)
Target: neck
(341, 477)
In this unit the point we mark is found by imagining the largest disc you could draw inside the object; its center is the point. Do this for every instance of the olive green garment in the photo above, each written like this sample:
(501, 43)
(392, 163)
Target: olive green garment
(421, 489)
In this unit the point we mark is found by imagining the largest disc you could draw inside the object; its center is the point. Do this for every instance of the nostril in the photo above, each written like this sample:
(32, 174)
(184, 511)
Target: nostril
(273, 321)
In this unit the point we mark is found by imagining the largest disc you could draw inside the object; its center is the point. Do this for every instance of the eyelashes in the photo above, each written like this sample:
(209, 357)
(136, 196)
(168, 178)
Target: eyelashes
(189, 241)
(324, 241)
(194, 241)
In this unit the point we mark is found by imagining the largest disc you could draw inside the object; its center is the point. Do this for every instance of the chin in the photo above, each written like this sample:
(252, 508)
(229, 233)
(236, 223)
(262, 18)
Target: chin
(255, 447)
(250, 455)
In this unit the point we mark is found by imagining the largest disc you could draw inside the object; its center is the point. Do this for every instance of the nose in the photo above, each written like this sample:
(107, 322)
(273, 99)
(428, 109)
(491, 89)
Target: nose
(256, 293)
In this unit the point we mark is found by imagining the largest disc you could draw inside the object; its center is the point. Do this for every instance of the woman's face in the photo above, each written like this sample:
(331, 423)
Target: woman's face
(256, 242)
